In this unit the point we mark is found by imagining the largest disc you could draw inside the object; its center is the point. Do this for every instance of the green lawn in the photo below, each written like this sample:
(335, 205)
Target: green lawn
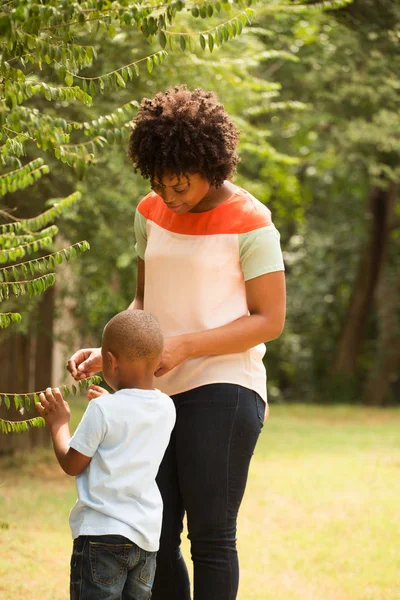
(320, 519)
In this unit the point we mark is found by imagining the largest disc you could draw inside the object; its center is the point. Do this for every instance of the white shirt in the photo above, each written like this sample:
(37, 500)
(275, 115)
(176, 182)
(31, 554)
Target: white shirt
(126, 434)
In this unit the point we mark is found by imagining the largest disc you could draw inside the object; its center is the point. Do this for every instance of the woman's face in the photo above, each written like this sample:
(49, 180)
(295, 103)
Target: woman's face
(183, 193)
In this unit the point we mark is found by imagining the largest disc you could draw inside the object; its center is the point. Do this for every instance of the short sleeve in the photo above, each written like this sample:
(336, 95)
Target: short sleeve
(140, 234)
(90, 431)
(260, 252)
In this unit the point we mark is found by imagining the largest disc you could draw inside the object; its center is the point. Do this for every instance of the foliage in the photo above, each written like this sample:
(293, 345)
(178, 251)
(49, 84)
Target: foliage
(22, 403)
(44, 49)
(48, 79)
(349, 145)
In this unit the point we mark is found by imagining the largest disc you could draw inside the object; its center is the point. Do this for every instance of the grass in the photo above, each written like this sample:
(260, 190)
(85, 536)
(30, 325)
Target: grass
(320, 519)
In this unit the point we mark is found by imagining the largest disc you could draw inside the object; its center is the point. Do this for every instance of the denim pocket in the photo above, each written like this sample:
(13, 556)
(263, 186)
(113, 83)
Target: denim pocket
(108, 562)
(260, 404)
(149, 568)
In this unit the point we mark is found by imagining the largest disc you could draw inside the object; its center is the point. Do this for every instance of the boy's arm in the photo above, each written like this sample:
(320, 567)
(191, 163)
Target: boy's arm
(55, 411)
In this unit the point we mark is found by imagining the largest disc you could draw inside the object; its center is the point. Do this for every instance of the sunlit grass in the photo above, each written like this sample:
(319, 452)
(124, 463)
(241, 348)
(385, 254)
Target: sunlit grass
(320, 519)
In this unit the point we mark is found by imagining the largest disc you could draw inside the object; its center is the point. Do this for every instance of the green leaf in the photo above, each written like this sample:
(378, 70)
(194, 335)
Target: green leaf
(182, 42)
(120, 80)
(210, 42)
(150, 64)
(69, 79)
(202, 41)
(162, 39)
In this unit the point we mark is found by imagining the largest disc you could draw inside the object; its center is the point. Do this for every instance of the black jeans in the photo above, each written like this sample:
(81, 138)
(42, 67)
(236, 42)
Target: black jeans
(204, 472)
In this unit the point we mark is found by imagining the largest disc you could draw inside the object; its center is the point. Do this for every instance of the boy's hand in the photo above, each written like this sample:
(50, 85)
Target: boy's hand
(94, 391)
(53, 408)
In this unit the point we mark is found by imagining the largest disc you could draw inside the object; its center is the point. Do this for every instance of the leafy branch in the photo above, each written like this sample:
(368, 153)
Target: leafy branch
(23, 402)
(43, 263)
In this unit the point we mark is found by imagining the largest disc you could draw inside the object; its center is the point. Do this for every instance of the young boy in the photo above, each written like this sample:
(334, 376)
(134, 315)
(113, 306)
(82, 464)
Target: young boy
(115, 454)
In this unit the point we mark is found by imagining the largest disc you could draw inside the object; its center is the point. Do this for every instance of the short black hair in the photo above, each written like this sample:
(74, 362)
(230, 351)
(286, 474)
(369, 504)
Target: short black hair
(180, 132)
(135, 334)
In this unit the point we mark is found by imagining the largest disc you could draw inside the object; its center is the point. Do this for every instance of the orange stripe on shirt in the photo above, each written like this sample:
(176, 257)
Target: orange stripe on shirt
(241, 213)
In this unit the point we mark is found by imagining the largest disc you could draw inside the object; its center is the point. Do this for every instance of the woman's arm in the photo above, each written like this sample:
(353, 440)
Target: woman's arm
(88, 361)
(266, 300)
(139, 296)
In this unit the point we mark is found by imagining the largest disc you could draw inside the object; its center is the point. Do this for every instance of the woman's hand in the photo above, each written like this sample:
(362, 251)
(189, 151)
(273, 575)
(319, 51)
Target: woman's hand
(174, 353)
(94, 391)
(85, 363)
(53, 408)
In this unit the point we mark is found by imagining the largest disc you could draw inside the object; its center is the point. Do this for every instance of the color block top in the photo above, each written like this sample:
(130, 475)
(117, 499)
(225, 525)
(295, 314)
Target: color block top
(196, 266)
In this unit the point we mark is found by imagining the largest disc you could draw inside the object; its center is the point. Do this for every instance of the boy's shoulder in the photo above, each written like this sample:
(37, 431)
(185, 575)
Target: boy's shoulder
(131, 396)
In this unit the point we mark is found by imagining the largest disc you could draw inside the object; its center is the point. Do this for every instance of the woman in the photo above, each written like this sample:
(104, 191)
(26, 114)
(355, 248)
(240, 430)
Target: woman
(210, 268)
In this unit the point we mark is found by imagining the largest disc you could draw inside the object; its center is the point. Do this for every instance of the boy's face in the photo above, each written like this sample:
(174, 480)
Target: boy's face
(182, 193)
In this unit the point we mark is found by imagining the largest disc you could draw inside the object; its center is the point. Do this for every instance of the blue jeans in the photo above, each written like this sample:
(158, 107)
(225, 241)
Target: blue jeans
(110, 567)
(204, 473)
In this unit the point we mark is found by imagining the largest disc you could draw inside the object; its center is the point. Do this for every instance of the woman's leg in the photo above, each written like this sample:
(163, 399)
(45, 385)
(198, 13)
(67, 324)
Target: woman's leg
(217, 429)
(171, 580)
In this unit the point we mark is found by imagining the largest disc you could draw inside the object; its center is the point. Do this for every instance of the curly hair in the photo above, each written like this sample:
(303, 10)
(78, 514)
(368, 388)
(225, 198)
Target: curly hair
(180, 132)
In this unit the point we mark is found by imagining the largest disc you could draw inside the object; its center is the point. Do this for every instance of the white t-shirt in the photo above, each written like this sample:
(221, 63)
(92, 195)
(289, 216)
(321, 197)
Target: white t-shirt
(126, 434)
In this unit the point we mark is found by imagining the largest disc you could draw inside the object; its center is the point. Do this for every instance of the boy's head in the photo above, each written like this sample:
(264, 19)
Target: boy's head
(131, 347)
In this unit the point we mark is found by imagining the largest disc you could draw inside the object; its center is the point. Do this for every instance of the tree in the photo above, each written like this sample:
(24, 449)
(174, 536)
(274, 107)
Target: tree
(349, 175)
(44, 45)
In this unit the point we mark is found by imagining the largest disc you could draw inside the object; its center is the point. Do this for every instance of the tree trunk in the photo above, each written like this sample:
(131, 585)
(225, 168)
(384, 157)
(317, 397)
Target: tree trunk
(14, 378)
(26, 366)
(380, 209)
(384, 372)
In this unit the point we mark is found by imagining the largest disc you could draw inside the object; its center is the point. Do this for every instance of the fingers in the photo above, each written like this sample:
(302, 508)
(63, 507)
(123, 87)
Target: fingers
(57, 396)
(161, 371)
(78, 362)
(74, 361)
(95, 391)
(49, 401)
(40, 408)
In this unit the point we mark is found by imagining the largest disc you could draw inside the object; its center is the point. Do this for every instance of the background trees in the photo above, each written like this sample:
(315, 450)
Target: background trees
(343, 260)
(313, 90)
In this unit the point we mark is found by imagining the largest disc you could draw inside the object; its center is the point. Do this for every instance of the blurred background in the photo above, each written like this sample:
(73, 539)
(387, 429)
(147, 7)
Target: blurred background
(315, 94)
(316, 98)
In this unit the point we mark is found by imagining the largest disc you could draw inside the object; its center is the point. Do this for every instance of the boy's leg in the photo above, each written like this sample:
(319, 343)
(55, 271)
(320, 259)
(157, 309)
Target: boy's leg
(140, 576)
(99, 566)
(172, 579)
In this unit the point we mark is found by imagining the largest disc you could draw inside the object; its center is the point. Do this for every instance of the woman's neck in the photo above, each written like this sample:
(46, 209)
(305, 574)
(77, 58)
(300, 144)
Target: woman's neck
(215, 197)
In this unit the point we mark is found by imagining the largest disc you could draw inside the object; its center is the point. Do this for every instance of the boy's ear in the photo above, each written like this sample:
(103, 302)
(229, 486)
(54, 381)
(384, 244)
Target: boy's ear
(113, 361)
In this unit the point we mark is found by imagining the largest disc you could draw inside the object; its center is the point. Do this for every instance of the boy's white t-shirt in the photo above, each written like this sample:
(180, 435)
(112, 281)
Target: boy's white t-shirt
(126, 434)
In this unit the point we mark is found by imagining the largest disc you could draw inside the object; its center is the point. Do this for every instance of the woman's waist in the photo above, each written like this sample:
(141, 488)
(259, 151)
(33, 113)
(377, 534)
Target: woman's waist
(242, 368)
